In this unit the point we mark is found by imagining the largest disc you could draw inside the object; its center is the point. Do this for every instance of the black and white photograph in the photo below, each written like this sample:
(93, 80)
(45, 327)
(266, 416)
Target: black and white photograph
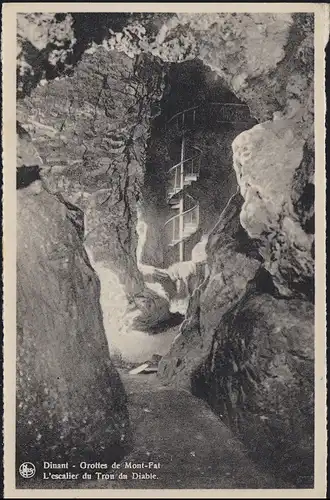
(166, 249)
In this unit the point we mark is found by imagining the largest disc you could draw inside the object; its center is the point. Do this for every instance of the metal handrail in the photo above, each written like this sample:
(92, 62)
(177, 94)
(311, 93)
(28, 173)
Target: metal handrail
(189, 196)
(210, 104)
(181, 112)
(228, 104)
(184, 161)
(180, 215)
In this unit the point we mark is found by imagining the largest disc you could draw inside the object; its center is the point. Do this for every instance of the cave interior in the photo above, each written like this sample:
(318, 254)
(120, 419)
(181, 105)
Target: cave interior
(189, 176)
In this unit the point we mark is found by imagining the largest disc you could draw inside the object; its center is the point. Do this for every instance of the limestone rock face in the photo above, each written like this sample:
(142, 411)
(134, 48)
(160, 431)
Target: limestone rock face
(274, 165)
(266, 159)
(249, 352)
(92, 137)
(260, 378)
(264, 58)
(70, 401)
(246, 344)
(44, 45)
(153, 310)
(225, 42)
(233, 262)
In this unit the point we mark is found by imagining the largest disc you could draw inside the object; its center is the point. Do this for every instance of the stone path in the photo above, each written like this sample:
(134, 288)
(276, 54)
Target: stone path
(194, 448)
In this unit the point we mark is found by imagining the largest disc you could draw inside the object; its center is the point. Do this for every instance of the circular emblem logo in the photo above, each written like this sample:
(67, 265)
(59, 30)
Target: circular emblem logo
(27, 470)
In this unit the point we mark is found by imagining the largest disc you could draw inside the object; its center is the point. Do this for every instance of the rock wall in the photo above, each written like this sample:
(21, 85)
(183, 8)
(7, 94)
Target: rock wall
(239, 346)
(266, 160)
(71, 404)
(91, 130)
(259, 378)
(233, 261)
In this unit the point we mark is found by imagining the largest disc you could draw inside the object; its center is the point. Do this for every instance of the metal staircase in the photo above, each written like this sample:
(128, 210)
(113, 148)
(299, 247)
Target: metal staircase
(190, 172)
(181, 175)
(214, 112)
(185, 222)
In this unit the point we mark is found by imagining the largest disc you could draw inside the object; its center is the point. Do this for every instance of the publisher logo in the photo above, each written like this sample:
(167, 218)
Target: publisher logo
(27, 470)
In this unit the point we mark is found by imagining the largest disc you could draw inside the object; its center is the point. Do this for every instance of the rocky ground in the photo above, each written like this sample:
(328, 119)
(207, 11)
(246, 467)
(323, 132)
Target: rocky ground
(182, 434)
(247, 343)
(195, 449)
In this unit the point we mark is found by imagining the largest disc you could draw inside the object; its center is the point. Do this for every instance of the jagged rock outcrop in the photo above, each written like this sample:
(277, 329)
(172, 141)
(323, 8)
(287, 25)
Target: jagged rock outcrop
(264, 58)
(44, 44)
(233, 261)
(260, 378)
(238, 349)
(261, 252)
(266, 159)
(274, 168)
(92, 136)
(49, 45)
(71, 404)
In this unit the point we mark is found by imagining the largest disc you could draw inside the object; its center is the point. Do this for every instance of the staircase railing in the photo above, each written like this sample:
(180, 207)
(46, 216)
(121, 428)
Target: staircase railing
(191, 171)
(185, 223)
(189, 218)
(226, 113)
(182, 118)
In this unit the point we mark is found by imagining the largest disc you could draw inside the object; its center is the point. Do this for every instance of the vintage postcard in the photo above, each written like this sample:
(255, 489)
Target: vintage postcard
(164, 250)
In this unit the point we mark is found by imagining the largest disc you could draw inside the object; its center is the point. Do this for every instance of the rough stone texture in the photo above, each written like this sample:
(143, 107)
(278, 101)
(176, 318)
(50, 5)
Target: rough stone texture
(260, 378)
(274, 163)
(70, 401)
(127, 344)
(50, 45)
(153, 207)
(266, 159)
(233, 262)
(261, 252)
(44, 42)
(238, 348)
(92, 136)
(265, 59)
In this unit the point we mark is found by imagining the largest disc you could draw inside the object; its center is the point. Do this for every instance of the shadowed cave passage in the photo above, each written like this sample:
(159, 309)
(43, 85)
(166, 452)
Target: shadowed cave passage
(195, 128)
(189, 176)
(173, 265)
(200, 228)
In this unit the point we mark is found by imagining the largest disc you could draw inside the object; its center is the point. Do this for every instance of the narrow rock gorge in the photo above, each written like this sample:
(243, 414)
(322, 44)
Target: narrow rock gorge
(71, 403)
(231, 311)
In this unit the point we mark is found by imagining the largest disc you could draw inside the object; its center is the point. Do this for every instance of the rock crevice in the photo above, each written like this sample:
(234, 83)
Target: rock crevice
(70, 401)
(246, 344)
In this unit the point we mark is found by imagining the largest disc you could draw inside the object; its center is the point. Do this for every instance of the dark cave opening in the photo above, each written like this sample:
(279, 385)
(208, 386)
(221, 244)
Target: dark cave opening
(214, 322)
(213, 117)
(189, 174)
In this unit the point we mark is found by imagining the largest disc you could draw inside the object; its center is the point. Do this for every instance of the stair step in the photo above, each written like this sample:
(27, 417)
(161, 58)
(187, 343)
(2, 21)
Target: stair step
(170, 194)
(173, 200)
(190, 177)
